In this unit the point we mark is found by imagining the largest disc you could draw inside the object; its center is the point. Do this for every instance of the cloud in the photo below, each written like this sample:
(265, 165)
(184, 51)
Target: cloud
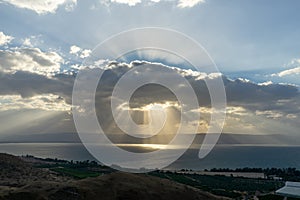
(189, 3)
(128, 2)
(236, 110)
(265, 83)
(85, 53)
(239, 91)
(5, 39)
(32, 41)
(46, 102)
(82, 53)
(27, 42)
(291, 116)
(42, 7)
(180, 3)
(74, 49)
(249, 104)
(29, 84)
(252, 94)
(252, 107)
(124, 2)
(270, 114)
(295, 69)
(30, 60)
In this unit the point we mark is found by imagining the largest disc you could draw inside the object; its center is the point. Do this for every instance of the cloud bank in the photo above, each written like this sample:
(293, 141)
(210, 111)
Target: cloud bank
(31, 77)
(30, 60)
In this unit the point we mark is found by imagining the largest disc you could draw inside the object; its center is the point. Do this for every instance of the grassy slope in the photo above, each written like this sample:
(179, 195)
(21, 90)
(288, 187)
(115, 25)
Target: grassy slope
(40, 184)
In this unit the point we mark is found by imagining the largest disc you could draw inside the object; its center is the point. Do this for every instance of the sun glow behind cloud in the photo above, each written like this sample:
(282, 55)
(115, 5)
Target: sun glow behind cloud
(49, 87)
(152, 119)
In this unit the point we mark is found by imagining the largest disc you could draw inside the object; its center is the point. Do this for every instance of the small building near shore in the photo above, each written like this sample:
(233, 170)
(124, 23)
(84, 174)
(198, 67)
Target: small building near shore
(274, 177)
(291, 189)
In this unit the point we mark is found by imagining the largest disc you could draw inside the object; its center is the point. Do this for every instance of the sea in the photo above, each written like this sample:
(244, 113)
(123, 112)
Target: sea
(222, 156)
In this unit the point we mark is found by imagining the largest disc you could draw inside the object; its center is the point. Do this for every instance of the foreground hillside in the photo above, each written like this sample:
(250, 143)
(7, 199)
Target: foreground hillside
(21, 181)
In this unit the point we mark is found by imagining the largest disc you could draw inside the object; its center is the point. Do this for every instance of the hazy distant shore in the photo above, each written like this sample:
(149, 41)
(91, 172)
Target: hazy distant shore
(224, 156)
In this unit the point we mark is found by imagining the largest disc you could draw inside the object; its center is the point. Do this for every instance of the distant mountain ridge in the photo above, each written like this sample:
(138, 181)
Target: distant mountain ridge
(225, 138)
(247, 139)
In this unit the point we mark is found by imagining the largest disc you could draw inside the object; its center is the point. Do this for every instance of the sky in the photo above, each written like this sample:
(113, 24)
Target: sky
(254, 43)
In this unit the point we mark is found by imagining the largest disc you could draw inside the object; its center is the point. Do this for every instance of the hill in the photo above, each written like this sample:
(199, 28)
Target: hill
(22, 181)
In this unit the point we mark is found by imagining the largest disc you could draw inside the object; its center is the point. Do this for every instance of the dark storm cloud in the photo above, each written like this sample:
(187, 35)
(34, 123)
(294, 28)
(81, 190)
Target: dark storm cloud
(248, 92)
(278, 97)
(29, 84)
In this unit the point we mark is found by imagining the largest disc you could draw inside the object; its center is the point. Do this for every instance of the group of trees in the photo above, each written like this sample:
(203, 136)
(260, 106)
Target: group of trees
(291, 174)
